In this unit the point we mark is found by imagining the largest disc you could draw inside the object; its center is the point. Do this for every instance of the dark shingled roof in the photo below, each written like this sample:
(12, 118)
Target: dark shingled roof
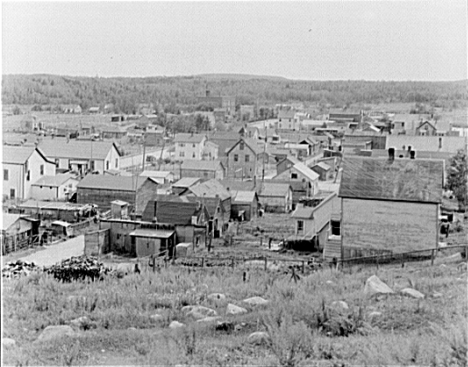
(171, 209)
(117, 183)
(400, 180)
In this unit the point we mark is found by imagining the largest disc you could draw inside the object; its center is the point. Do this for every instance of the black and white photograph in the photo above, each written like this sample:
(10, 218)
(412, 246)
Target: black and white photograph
(234, 183)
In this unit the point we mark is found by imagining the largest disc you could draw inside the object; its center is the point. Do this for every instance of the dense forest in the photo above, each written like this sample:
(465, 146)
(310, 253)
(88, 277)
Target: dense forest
(172, 94)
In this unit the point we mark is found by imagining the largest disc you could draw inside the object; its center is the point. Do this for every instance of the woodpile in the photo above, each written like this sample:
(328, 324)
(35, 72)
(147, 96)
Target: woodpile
(78, 268)
(18, 268)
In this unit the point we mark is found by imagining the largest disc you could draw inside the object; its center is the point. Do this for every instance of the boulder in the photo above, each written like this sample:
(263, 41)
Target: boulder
(83, 322)
(375, 286)
(55, 332)
(156, 317)
(224, 326)
(199, 312)
(209, 319)
(342, 305)
(330, 282)
(412, 293)
(258, 338)
(176, 325)
(235, 310)
(256, 301)
(437, 295)
(216, 297)
(375, 314)
(8, 342)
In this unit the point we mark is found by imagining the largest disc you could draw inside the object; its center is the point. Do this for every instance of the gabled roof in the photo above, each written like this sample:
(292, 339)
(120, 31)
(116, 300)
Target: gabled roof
(235, 185)
(186, 182)
(189, 138)
(171, 209)
(197, 165)
(251, 143)
(304, 212)
(53, 181)
(424, 123)
(117, 183)
(76, 149)
(399, 180)
(240, 197)
(210, 189)
(306, 171)
(274, 189)
(159, 174)
(322, 165)
(20, 154)
(8, 220)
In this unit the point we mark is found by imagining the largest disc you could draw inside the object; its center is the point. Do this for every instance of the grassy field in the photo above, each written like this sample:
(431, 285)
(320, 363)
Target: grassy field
(303, 325)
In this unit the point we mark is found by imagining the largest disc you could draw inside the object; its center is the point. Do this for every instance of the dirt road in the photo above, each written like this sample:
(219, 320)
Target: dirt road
(56, 253)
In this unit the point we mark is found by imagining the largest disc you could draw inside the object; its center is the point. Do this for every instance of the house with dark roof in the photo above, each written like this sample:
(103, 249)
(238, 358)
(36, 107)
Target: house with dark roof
(189, 217)
(82, 155)
(57, 187)
(389, 205)
(189, 146)
(22, 166)
(203, 169)
(323, 170)
(224, 140)
(103, 189)
(245, 158)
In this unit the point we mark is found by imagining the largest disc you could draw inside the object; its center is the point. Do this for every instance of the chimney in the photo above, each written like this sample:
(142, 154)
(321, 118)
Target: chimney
(412, 154)
(391, 154)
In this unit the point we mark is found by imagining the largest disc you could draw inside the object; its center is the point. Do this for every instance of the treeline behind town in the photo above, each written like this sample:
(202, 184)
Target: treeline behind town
(172, 94)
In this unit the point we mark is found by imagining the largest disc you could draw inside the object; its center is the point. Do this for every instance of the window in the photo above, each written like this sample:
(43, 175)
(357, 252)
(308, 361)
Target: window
(182, 154)
(116, 163)
(107, 165)
(247, 158)
(300, 225)
(293, 175)
(41, 169)
(241, 145)
(28, 175)
(12, 193)
(91, 165)
(193, 155)
(205, 174)
(335, 227)
(5, 175)
(181, 145)
(193, 145)
(236, 158)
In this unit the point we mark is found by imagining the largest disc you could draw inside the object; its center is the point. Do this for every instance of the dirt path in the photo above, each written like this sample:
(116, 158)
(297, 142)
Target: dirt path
(55, 253)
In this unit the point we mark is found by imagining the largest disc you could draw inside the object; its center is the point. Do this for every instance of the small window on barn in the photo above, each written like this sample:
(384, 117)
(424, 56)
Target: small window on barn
(107, 165)
(5, 175)
(293, 175)
(41, 170)
(194, 145)
(241, 145)
(181, 145)
(116, 163)
(300, 225)
(335, 228)
(236, 158)
(247, 158)
(193, 155)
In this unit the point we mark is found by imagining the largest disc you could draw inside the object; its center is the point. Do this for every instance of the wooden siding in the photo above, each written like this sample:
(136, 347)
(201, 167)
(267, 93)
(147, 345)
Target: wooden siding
(389, 225)
(96, 243)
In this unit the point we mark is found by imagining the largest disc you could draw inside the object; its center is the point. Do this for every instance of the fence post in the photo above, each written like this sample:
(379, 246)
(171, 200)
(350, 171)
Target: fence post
(266, 263)
(432, 257)
(303, 266)
(232, 263)
(261, 241)
(203, 262)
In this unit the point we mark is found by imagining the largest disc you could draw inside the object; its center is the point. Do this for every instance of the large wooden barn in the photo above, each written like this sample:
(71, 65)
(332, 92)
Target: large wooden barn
(389, 205)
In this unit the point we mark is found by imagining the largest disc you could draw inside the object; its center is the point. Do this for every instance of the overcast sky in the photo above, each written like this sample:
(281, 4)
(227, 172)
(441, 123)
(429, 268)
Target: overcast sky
(397, 40)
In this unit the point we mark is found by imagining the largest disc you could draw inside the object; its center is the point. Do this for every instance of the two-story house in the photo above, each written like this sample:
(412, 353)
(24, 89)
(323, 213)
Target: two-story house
(244, 158)
(189, 146)
(23, 166)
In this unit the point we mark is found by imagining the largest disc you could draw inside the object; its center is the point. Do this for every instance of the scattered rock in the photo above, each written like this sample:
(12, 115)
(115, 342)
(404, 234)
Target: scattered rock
(83, 322)
(375, 286)
(156, 317)
(437, 295)
(132, 328)
(199, 312)
(216, 297)
(176, 325)
(412, 293)
(259, 337)
(330, 282)
(8, 342)
(55, 332)
(340, 304)
(375, 314)
(256, 301)
(210, 319)
(235, 310)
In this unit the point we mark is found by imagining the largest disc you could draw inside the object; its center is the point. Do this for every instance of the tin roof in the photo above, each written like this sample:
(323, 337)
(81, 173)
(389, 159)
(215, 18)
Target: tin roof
(106, 182)
(153, 233)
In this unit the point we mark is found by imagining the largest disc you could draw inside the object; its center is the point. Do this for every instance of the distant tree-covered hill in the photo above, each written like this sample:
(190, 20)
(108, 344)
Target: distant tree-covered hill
(175, 93)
